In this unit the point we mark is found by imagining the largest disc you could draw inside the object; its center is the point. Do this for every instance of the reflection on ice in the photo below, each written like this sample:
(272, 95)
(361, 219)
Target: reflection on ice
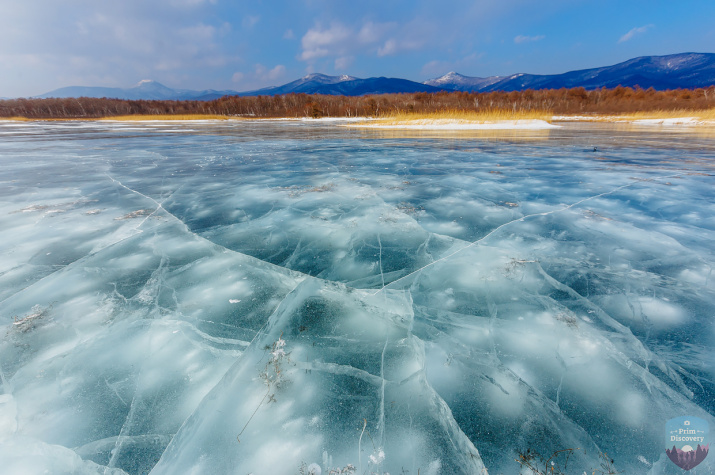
(269, 297)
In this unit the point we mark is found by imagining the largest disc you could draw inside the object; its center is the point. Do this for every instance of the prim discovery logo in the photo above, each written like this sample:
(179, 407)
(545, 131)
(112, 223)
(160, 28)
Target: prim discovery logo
(682, 434)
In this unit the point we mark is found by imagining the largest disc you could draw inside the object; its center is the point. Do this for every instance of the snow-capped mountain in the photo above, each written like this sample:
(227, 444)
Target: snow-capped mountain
(305, 84)
(685, 70)
(145, 89)
(345, 85)
(458, 82)
(310, 84)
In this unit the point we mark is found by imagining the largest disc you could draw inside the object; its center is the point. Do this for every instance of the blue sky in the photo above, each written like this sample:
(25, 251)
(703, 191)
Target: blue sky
(244, 45)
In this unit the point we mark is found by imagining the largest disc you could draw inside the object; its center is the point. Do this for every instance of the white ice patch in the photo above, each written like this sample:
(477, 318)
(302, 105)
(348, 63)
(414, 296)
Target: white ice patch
(449, 124)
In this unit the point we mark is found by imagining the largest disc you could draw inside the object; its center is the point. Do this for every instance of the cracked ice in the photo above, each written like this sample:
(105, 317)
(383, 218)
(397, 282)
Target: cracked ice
(286, 297)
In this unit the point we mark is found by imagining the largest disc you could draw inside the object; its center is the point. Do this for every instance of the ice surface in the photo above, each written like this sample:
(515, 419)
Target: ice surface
(294, 296)
(349, 362)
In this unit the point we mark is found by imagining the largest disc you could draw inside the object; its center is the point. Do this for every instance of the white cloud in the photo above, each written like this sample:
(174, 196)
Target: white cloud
(318, 43)
(250, 21)
(277, 72)
(343, 42)
(198, 32)
(635, 31)
(260, 76)
(393, 46)
(374, 32)
(190, 3)
(435, 68)
(390, 47)
(177, 42)
(528, 39)
(168, 65)
(264, 74)
(343, 63)
(288, 35)
(411, 36)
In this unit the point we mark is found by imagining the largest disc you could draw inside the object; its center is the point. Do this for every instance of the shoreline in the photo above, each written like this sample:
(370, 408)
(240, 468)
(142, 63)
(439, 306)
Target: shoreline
(638, 119)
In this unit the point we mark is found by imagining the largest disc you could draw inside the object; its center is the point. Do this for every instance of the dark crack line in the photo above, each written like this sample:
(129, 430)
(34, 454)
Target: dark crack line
(545, 213)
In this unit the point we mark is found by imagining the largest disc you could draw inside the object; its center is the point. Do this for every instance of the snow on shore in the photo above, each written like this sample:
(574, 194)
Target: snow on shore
(672, 121)
(454, 124)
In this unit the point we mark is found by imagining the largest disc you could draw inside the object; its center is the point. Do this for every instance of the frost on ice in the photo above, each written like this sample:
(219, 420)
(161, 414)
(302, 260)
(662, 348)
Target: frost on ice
(296, 298)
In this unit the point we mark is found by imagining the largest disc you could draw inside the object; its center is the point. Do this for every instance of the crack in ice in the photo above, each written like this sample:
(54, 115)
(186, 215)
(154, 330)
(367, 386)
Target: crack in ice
(498, 228)
(120, 438)
(381, 421)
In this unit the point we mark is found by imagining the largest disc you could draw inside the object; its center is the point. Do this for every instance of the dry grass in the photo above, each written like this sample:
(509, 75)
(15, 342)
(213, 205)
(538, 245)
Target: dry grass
(17, 119)
(148, 117)
(707, 115)
(463, 116)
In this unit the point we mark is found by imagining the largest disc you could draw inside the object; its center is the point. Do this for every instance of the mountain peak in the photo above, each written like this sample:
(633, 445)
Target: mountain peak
(449, 77)
(150, 84)
(325, 77)
(312, 76)
(456, 81)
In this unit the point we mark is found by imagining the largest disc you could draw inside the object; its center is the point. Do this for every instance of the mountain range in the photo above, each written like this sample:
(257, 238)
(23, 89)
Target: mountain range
(310, 84)
(685, 70)
(145, 90)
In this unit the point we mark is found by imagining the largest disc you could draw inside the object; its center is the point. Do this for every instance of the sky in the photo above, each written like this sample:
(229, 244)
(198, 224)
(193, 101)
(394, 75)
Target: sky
(245, 45)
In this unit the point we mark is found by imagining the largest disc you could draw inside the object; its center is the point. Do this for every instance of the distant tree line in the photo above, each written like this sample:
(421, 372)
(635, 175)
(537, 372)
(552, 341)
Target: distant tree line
(558, 101)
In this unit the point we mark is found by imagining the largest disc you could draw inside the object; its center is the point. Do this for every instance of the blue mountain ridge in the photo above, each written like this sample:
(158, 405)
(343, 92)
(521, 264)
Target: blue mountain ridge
(145, 90)
(684, 70)
(346, 86)
(310, 84)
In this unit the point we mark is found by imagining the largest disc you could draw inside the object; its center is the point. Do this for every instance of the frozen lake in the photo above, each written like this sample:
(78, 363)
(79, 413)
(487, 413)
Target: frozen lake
(281, 297)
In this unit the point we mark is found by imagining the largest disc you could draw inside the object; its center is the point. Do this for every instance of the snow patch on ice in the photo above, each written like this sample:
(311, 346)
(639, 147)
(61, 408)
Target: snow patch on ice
(450, 124)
